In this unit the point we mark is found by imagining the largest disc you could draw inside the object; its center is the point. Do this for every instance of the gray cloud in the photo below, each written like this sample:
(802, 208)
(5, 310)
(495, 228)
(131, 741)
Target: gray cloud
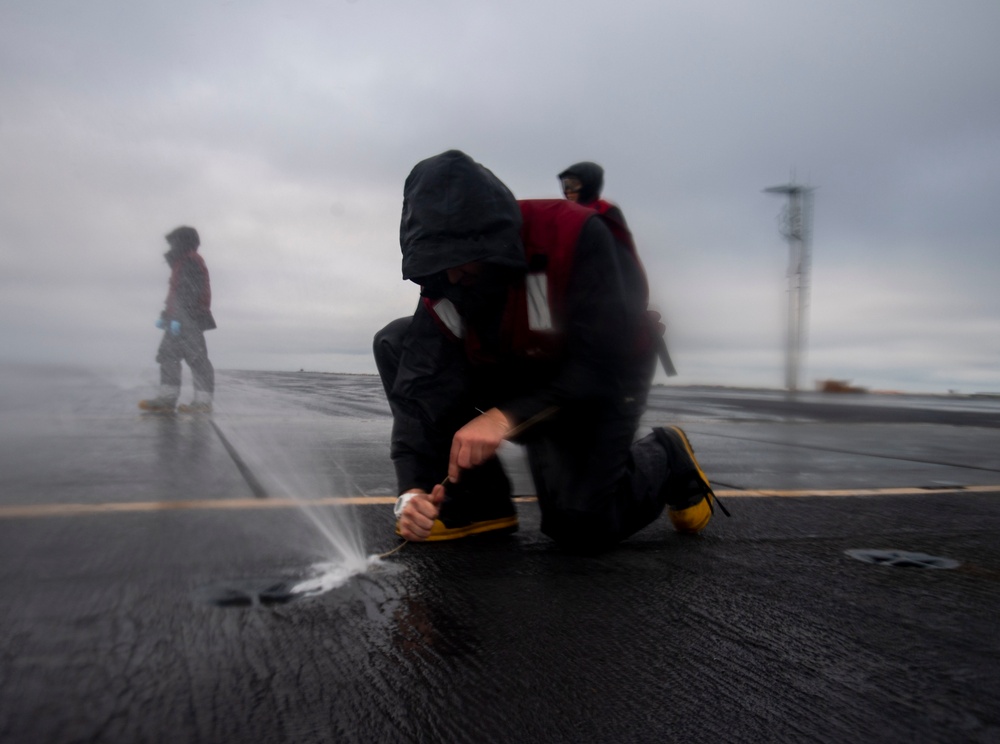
(284, 131)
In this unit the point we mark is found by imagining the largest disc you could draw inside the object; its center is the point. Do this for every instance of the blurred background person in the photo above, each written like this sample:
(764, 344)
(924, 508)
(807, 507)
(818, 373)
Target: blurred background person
(185, 318)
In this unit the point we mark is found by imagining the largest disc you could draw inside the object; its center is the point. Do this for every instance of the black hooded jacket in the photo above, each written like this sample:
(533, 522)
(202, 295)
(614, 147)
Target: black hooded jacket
(455, 211)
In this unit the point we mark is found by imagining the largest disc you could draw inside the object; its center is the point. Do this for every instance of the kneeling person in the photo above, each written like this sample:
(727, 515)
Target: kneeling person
(532, 325)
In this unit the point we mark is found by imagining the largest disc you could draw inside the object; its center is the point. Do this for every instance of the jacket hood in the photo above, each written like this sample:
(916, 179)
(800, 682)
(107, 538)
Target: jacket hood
(181, 240)
(591, 177)
(455, 211)
(184, 236)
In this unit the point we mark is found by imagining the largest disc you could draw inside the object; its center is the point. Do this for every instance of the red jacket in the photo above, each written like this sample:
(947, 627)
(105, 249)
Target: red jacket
(189, 298)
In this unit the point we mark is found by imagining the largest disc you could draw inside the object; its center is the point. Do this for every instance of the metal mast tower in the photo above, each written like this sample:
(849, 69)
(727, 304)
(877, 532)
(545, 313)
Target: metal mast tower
(796, 228)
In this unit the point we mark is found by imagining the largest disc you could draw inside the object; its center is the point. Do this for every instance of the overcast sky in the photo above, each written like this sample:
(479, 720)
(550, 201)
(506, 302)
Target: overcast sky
(283, 131)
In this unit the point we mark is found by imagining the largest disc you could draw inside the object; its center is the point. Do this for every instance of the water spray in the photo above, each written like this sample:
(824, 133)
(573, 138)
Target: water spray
(326, 576)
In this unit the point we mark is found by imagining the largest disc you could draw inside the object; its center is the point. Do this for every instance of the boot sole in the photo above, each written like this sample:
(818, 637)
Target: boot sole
(502, 526)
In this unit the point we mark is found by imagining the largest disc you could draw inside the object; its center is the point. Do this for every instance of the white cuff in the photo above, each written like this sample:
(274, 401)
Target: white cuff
(401, 503)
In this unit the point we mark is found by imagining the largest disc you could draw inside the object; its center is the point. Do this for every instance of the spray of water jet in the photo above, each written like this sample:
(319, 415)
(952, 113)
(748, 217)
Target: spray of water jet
(281, 450)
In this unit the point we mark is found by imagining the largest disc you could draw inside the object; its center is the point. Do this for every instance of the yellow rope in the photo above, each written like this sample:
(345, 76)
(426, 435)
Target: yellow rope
(394, 550)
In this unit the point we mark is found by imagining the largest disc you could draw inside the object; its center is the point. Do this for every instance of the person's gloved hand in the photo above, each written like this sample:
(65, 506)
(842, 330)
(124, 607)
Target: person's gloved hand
(175, 327)
(160, 323)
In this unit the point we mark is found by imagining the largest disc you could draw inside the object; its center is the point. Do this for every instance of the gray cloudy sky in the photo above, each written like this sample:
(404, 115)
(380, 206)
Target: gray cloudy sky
(284, 130)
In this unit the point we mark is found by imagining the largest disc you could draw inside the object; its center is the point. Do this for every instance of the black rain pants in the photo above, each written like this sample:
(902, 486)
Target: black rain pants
(595, 484)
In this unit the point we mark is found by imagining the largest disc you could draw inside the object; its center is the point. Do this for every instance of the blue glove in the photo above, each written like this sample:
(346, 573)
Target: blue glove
(160, 324)
(175, 327)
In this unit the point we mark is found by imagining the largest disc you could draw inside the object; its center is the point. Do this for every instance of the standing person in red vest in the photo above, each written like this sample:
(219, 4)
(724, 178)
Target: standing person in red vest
(531, 326)
(184, 320)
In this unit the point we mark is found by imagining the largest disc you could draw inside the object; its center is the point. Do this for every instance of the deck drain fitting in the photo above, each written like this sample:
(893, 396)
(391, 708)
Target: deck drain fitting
(251, 594)
(901, 559)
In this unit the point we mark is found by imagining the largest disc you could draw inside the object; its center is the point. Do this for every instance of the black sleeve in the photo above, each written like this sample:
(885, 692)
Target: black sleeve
(430, 401)
(602, 311)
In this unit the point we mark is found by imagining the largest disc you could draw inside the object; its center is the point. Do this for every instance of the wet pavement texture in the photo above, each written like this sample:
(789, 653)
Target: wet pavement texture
(121, 535)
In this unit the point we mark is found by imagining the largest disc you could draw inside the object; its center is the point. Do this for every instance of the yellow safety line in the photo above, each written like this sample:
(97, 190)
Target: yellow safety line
(56, 510)
(905, 491)
(66, 510)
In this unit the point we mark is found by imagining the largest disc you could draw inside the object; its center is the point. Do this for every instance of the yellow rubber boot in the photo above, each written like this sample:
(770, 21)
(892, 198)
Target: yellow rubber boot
(692, 520)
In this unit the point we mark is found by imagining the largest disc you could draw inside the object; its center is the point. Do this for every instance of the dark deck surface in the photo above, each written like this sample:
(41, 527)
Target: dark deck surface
(122, 536)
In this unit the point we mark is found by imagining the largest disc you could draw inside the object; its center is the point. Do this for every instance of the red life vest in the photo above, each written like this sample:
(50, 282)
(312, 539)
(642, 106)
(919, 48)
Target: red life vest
(536, 306)
(535, 312)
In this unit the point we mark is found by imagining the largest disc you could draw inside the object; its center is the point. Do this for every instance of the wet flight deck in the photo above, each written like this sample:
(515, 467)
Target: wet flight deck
(146, 563)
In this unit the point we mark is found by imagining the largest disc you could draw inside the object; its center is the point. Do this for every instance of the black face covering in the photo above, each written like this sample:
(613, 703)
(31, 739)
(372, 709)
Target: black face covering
(174, 254)
(481, 304)
(433, 286)
(488, 292)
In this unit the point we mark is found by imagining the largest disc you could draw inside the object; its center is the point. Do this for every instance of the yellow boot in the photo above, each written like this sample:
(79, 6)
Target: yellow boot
(691, 494)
